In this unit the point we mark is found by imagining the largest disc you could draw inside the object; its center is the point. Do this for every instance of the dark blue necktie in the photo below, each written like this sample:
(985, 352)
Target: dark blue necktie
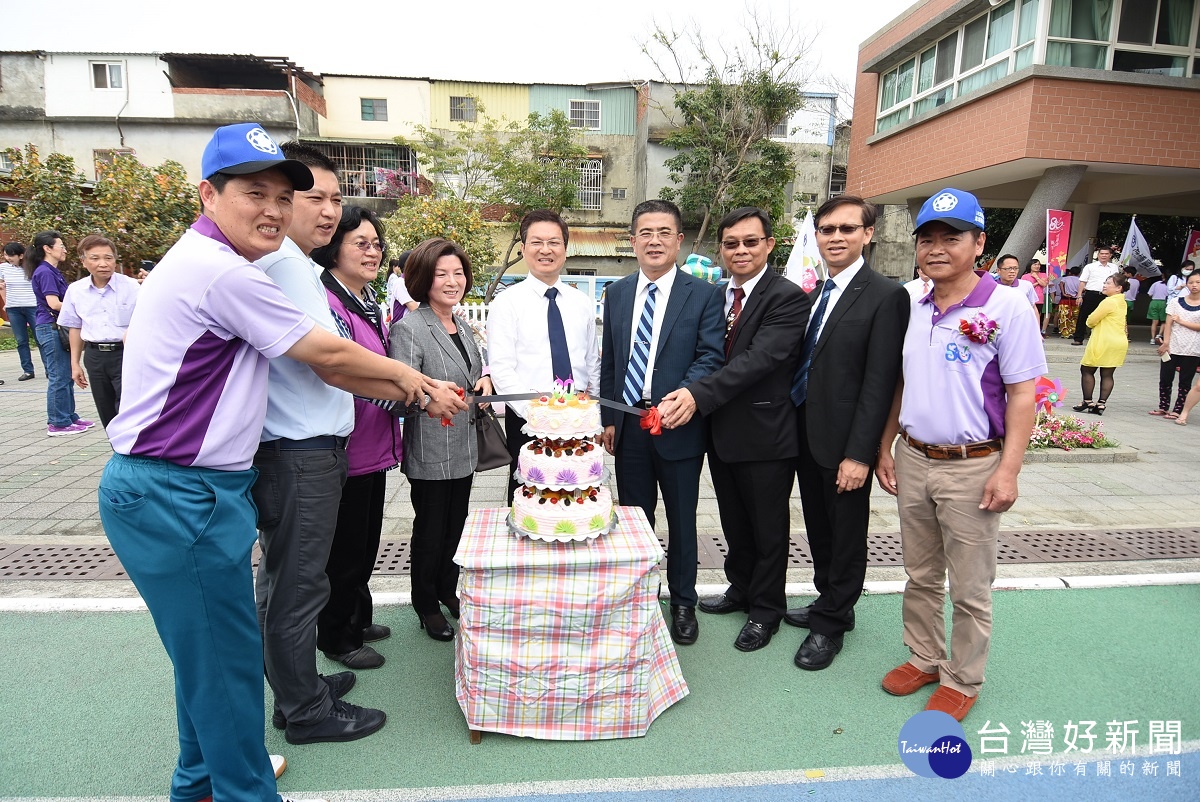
(560, 357)
(800, 384)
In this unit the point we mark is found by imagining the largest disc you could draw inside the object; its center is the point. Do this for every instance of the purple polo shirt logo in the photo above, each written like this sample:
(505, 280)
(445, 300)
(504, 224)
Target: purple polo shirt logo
(958, 353)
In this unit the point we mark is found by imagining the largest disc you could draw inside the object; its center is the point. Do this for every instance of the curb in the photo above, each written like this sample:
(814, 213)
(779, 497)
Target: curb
(1058, 455)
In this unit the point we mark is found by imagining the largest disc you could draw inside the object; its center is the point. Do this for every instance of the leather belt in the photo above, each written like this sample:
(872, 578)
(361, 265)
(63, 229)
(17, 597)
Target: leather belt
(643, 404)
(105, 346)
(983, 448)
(324, 443)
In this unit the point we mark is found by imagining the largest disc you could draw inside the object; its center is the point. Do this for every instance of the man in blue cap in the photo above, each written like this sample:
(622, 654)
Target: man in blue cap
(964, 409)
(175, 496)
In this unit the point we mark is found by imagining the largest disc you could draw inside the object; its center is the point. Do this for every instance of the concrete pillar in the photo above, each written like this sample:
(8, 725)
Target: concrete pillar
(1085, 220)
(1052, 192)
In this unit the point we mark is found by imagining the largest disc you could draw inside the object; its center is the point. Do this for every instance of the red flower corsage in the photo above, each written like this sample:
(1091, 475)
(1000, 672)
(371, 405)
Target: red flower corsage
(979, 329)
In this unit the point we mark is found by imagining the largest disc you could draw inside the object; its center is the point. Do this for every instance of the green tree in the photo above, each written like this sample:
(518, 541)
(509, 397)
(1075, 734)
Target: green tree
(144, 210)
(418, 218)
(51, 191)
(512, 168)
(723, 121)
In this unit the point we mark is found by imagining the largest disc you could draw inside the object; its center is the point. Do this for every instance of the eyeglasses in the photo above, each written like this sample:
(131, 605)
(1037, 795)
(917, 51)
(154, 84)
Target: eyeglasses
(750, 242)
(662, 234)
(538, 244)
(846, 230)
(367, 247)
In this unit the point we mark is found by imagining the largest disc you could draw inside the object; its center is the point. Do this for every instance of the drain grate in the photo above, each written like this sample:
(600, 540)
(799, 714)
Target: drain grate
(19, 562)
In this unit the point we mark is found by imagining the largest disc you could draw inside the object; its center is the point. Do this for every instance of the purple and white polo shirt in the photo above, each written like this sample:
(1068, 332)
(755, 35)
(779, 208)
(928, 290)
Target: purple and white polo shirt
(953, 384)
(194, 378)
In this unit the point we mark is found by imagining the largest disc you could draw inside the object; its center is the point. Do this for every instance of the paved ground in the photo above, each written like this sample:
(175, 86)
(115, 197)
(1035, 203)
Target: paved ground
(1119, 654)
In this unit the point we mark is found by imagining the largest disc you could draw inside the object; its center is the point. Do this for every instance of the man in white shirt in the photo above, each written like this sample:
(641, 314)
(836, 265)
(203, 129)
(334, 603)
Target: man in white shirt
(541, 330)
(97, 309)
(1091, 282)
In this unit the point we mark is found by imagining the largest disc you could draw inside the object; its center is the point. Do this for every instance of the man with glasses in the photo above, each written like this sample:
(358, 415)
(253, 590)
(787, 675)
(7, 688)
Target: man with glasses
(540, 330)
(752, 443)
(662, 331)
(842, 393)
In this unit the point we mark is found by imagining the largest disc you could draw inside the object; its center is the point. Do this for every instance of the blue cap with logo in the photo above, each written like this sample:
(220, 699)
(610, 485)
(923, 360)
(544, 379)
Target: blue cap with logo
(953, 207)
(247, 148)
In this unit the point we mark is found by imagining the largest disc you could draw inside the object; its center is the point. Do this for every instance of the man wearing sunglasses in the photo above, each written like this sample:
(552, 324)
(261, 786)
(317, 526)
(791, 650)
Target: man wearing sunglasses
(842, 392)
(752, 441)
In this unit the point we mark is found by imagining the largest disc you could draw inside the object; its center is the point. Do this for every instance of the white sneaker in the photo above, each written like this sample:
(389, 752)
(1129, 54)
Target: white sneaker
(279, 764)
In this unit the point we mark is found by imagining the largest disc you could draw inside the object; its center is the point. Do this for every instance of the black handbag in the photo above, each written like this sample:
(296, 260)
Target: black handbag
(64, 336)
(493, 445)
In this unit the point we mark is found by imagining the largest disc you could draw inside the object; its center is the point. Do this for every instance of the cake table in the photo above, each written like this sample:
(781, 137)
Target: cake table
(562, 641)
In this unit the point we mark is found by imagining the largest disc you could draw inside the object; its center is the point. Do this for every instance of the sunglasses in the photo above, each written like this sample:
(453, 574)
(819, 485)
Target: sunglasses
(750, 242)
(844, 229)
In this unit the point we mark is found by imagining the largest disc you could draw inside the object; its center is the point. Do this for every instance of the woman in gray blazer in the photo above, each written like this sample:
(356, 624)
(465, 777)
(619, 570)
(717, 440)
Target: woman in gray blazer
(439, 461)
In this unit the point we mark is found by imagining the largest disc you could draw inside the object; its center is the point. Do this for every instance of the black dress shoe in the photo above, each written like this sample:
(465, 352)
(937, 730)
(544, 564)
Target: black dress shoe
(339, 685)
(24, 377)
(719, 605)
(817, 651)
(345, 722)
(362, 657)
(798, 617)
(376, 632)
(436, 626)
(684, 629)
(754, 636)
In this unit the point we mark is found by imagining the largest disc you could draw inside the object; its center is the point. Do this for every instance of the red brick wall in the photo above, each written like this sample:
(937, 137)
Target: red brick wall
(310, 98)
(1042, 118)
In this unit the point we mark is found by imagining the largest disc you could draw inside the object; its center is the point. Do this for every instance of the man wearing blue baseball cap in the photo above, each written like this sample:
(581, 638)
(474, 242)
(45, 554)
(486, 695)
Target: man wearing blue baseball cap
(964, 409)
(175, 495)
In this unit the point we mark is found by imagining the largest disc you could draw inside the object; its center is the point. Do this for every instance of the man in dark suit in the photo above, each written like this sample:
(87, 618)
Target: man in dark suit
(752, 440)
(662, 331)
(843, 391)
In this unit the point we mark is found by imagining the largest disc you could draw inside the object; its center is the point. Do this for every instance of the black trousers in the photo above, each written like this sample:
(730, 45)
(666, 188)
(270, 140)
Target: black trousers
(836, 524)
(753, 499)
(516, 439)
(641, 471)
(104, 380)
(1091, 299)
(439, 512)
(1166, 377)
(351, 562)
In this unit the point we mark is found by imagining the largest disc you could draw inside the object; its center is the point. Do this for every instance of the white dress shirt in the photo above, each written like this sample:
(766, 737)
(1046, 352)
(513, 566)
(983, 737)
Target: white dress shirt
(918, 288)
(662, 292)
(519, 340)
(1093, 275)
(748, 287)
(840, 282)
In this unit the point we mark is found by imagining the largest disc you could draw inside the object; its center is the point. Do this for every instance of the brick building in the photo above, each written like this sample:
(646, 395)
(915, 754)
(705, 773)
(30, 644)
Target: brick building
(1089, 106)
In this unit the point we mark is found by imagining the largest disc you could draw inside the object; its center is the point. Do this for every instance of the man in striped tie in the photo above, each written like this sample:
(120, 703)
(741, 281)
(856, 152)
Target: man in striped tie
(663, 330)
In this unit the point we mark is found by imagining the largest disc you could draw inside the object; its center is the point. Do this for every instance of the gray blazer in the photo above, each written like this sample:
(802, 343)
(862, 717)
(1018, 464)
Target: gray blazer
(431, 450)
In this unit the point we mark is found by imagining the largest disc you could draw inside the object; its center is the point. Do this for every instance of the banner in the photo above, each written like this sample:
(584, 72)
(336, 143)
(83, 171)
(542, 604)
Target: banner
(1192, 249)
(1136, 253)
(1058, 237)
(804, 262)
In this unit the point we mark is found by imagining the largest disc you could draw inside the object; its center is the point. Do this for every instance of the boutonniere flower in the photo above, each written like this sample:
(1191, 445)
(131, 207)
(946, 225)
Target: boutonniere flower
(979, 329)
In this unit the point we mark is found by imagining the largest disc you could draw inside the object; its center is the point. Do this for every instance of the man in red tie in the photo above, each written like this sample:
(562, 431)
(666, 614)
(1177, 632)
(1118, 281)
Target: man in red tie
(752, 442)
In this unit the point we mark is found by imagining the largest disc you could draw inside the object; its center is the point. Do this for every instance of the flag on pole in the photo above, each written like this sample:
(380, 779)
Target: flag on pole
(1192, 249)
(1058, 234)
(1082, 256)
(1136, 253)
(803, 264)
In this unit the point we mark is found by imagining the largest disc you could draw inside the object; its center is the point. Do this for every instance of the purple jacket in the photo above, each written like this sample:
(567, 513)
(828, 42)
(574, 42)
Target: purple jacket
(376, 444)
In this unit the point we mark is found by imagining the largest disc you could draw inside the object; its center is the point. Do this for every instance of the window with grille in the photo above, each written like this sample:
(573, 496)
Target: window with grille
(780, 131)
(108, 75)
(591, 180)
(585, 114)
(108, 157)
(618, 193)
(374, 109)
(365, 171)
(462, 109)
(837, 181)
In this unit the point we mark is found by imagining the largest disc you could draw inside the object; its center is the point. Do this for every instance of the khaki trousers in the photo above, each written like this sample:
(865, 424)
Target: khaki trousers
(942, 530)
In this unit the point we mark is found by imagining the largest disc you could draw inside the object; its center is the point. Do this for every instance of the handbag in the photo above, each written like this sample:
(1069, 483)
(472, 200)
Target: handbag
(493, 445)
(64, 336)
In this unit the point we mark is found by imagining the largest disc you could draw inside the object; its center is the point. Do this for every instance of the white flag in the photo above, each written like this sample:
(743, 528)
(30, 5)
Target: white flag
(804, 262)
(1136, 253)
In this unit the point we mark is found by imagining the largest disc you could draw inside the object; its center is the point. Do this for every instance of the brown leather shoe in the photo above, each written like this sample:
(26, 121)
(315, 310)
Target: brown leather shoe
(907, 678)
(948, 700)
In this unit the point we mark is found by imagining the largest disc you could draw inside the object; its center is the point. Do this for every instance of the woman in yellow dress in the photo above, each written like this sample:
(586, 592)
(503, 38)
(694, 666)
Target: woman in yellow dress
(1107, 346)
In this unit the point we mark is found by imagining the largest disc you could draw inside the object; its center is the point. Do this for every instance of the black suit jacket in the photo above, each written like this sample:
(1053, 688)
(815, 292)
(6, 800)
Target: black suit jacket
(855, 365)
(690, 346)
(748, 402)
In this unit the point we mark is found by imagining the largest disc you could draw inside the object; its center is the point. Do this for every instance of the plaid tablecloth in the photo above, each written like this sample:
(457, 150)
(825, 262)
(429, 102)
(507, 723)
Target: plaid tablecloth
(563, 641)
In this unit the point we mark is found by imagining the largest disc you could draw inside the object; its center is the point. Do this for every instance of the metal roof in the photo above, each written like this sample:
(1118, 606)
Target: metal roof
(600, 242)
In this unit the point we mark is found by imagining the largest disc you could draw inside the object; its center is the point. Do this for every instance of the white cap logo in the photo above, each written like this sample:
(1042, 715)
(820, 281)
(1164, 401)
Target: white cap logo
(260, 140)
(944, 202)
